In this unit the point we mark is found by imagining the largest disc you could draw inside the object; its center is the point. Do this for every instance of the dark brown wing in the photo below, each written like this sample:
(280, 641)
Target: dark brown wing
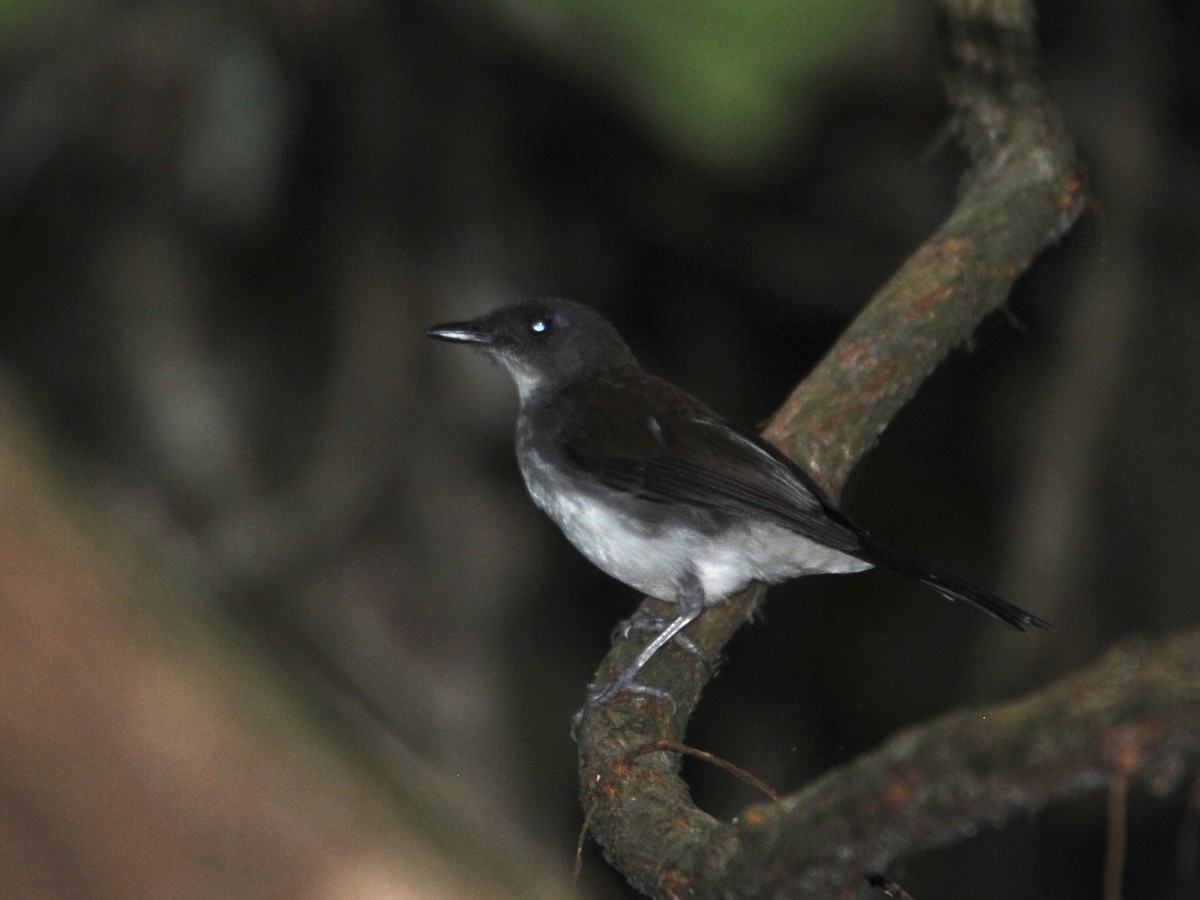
(638, 434)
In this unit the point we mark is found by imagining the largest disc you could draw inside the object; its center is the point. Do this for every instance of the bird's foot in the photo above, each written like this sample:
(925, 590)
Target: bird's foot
(600, 694)
(657, 624)
(689, 604)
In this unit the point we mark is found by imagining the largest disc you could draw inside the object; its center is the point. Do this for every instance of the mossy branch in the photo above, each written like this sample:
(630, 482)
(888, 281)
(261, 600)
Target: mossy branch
(1022, 192)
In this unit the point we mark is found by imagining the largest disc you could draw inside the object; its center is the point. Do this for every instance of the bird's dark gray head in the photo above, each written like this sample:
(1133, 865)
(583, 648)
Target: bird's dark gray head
(542, 342)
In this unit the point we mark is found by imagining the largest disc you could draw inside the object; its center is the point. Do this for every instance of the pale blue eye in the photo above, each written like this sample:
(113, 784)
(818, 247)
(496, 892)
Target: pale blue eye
(539, 326)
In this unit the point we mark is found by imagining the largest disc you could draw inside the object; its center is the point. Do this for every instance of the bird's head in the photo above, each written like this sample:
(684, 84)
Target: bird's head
(542, 343)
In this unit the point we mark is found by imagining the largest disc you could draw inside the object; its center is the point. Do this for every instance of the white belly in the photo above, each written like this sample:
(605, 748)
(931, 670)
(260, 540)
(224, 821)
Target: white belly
(655, 559)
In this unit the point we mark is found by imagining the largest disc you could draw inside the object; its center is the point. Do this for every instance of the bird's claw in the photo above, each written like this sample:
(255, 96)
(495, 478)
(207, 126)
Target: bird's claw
(651, 622)
(600, 694)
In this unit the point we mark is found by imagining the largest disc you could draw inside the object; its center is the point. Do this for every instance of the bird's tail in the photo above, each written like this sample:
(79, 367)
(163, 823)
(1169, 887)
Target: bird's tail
(950, 586)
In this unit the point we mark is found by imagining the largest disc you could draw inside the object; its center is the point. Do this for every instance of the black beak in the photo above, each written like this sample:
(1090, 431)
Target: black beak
(461, 332)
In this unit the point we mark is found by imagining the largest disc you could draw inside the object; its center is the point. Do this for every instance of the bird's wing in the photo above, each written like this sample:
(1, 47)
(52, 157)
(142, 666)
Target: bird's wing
(664, 445)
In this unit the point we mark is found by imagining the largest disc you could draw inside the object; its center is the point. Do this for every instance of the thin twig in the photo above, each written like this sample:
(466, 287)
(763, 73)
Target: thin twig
(1114, 854)
(736, 771)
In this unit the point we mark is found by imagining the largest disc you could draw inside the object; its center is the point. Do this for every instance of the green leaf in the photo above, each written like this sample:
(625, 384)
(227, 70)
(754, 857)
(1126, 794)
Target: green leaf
(724, 83)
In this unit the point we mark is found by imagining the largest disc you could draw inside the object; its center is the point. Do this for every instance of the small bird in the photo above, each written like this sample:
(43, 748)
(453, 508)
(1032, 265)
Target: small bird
(659, 491)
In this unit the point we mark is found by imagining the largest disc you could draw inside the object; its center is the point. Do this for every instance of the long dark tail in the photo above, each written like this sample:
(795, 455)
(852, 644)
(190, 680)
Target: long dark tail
(949, 586)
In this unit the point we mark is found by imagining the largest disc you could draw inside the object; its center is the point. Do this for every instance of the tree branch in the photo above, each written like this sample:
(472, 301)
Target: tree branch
(1022, 192)
(1135, 713)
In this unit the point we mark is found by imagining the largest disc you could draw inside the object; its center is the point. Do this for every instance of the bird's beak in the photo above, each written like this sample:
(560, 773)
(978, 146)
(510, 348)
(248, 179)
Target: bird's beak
(462, 332)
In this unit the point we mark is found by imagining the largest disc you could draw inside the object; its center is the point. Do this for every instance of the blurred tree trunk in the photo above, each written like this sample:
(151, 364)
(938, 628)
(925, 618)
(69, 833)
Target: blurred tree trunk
(144, 753)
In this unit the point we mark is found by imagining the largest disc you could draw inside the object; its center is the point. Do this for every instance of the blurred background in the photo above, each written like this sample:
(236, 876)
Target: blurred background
(224, 226)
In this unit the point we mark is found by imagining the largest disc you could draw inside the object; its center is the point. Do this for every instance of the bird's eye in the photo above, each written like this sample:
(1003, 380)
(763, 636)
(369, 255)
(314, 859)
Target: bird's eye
(539, 325)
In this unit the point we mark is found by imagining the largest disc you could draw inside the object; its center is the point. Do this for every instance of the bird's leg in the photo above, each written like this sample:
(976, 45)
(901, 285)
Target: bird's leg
(648, 621)
(690, 601)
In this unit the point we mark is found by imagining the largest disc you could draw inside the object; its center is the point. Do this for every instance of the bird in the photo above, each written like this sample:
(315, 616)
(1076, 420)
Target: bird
(658, 490)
